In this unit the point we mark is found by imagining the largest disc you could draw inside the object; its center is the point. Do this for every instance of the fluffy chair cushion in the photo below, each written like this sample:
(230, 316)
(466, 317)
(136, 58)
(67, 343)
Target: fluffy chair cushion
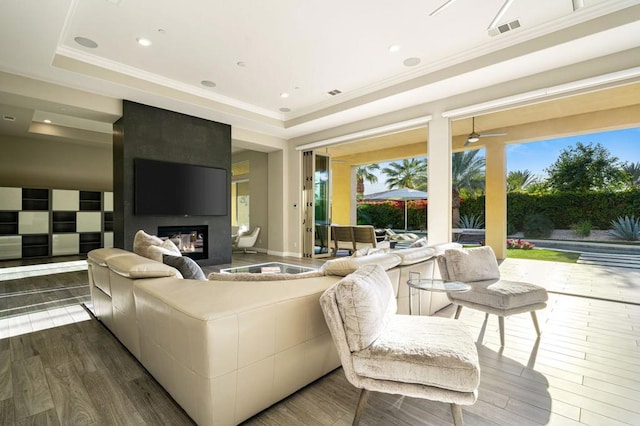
(142, 241)
(474, 264)
(502, 294)
(135, 266)
(344, 266)
(411, 256)
(187, 266)
(365, 300)
(166, 248)
(247, 276)
(427, 350)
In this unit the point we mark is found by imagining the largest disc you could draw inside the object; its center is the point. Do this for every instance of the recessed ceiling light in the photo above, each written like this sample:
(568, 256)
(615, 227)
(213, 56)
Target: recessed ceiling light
(47, 121)
(284, 95)
(285, 109)
(8, 118)
(162, 31)
(334, 92)
(208, 83)
(394, 48)
(143, 41)
(86, 42)
(411, 62)
(241, 64)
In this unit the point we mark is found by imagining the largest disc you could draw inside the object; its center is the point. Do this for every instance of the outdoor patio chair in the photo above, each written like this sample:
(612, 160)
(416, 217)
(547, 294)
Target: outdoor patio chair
(418, 356)
(342, 238)
(478, 267)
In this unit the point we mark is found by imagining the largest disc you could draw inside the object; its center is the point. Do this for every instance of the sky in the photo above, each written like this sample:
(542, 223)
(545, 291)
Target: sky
(537, 156)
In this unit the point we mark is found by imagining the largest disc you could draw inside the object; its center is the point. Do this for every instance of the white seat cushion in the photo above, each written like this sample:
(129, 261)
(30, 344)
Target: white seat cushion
(431, 351)
(502, 294)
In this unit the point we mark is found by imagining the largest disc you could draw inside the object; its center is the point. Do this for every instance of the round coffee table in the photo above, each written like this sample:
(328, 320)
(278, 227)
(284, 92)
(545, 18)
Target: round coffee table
(431, 284)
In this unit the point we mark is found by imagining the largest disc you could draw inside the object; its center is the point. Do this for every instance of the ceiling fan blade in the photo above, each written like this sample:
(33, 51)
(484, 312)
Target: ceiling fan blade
(500, 13)
(485, 135)
(467, 143)
(442, 7)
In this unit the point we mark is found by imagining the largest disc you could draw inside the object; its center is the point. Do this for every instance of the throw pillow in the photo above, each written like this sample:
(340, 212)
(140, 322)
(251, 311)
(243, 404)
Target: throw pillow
(187, 266)
(142, 241)
(365, 300)
(167, 247)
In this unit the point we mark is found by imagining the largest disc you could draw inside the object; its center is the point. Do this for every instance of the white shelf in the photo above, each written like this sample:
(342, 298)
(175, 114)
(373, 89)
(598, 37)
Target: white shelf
(62, 244)
(10, 199)
(11, 247)
(33, 222)
(65, 200)
(88, 222)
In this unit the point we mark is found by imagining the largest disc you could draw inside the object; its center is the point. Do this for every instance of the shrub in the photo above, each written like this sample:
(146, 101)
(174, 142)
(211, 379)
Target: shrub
(471, 222)
(582, 228)
(511, 229)
(537, 226)
(519, 244)
(626, 228)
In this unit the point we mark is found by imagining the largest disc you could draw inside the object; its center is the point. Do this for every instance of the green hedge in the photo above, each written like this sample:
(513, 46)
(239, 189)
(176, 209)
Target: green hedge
(391, 215)
(564, 209)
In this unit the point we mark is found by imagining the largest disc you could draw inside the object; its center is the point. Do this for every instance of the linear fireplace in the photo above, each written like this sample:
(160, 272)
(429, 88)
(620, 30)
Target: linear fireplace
(190, 239)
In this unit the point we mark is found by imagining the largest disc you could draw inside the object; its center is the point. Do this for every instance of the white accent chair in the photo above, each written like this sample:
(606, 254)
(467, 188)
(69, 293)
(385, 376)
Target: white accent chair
(478, 267)
(246, 241)
(418, 356)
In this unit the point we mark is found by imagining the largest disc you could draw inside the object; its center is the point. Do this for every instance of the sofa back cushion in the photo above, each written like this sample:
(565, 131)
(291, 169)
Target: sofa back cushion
(414, 255)
(134, 266)
(344, 266)
(365, 300)
(473, 264)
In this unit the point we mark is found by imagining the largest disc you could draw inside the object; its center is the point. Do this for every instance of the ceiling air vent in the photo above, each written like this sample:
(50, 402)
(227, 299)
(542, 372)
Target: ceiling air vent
(334, 92)
(8, 118)
(501, 29)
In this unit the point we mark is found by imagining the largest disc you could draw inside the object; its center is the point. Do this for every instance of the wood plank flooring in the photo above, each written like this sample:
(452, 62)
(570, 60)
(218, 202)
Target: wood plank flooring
(584, 369)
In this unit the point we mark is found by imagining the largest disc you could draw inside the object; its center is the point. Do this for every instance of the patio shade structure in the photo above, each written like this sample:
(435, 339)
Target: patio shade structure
(399, 194)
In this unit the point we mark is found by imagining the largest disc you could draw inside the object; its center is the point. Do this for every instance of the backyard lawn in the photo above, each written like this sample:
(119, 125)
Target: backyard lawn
(543, 254)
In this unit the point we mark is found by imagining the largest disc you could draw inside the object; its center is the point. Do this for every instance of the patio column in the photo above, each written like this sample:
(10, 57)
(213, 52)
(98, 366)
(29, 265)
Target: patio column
(439, 180)
(343, 194)
(496, 199)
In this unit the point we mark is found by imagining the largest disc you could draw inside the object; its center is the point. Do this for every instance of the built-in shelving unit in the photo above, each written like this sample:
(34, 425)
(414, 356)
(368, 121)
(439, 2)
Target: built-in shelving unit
(40, 222)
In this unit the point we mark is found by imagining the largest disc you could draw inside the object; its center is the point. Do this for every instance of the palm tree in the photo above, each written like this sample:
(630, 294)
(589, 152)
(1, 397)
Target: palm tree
(467, 174)
(633, 170)
(365, 173)
(520, 180)
(410, 173)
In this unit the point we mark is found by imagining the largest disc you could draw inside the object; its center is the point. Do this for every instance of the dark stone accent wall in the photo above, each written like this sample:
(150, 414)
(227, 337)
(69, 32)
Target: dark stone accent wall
(158, 134)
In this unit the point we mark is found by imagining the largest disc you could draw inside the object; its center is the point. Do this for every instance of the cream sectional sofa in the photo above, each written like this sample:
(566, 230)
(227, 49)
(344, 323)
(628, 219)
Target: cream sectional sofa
(226, 349)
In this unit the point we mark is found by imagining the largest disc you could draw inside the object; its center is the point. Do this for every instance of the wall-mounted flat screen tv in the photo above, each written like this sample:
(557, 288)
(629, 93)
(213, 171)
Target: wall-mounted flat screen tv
(171, 189)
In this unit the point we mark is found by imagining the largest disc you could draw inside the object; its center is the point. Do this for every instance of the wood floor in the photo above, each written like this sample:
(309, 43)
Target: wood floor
(585, 369)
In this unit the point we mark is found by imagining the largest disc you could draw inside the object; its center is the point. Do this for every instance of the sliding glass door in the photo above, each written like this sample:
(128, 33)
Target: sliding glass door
(317, 204)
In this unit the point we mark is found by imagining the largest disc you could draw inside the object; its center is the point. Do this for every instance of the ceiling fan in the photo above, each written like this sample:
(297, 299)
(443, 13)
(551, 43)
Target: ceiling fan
(475, 137)
(493, 23)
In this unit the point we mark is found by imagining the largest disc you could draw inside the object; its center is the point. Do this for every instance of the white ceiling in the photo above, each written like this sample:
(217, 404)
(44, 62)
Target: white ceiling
(303, 48)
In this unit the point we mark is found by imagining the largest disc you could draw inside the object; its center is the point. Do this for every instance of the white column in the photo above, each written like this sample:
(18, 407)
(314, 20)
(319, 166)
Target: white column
(439, 180)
